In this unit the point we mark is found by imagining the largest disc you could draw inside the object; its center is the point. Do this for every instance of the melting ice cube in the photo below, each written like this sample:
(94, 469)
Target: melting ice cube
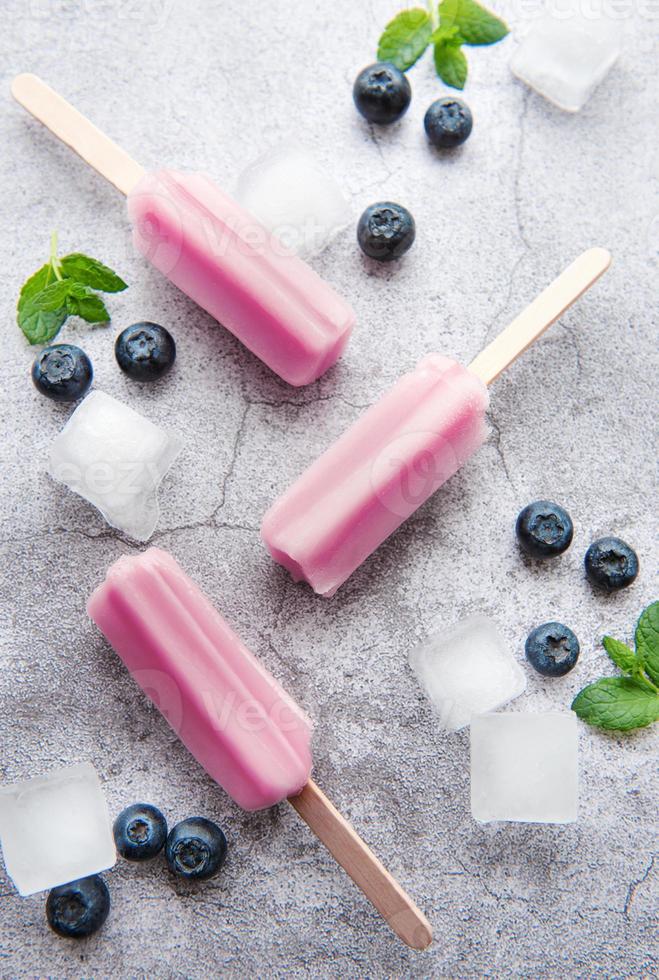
(566, 55)
(55, 829)
(294, 197)
(116, 459)
(467, 670)
(524, 767)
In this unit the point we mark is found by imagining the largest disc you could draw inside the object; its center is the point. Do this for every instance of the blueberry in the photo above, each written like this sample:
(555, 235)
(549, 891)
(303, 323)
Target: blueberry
(552, 649)
(448, 122)
(145, 351)
(62, 372)
(196, 849)
(611, 564)
(386, 231)
(544, 529)
(382, 93)
(78, 909)
(140, 832)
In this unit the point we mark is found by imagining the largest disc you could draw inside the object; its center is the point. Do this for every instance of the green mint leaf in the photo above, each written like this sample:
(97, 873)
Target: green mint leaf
(451, 64)
(38, 281)
(405, 38)
(90, 272)
(647, 641)
(445, 33)
(52, 298)
(476, 24)
(620, 654)
(40, 326)
(617, 703)
(42, 314)
(83, 302)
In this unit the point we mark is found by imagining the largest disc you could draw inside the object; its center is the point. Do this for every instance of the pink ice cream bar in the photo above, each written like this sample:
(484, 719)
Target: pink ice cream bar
(249, 735)
(232, 715)
(212, 249)
(403, 448)
(377, 474)
(219, 255)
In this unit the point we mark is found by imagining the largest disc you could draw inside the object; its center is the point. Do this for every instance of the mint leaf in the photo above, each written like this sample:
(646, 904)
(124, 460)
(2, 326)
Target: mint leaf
(43, 313)
(83, 302)
(61, 288)
(476, 24)
(451, 64)
(647, 641)
(52, 298)
(38, 281)
(90, 272)
(405, 38)
(620, 654)
(40, 326)
(617, 704)
(445, 33)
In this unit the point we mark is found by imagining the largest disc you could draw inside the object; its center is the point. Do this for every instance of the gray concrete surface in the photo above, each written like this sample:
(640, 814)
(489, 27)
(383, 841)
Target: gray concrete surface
(209, 85)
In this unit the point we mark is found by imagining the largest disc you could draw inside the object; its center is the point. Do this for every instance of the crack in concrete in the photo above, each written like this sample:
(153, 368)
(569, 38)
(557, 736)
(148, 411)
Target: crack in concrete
(519, 163)
(210, 522)
(232, 462)
(378, 147)
(113, 534)
(498, 446)
(479, 878)
(572, 340)
(289, 403)
(207, 525)
(634, 885)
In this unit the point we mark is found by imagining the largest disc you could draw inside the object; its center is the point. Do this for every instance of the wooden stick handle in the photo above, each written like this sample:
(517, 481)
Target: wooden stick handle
(355, 857)
(543, 311)
(77, 131)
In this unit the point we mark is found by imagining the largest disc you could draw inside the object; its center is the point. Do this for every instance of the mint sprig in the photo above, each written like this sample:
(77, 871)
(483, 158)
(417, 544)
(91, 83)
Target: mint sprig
(405, 38)
(61, 288)
(455, 23)
(632, 701)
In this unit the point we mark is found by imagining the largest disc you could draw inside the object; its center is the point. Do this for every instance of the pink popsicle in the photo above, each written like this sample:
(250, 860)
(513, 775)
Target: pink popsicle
(404, 447)
(219, 255)
(377, 474)
(212, 249)
(232, 715)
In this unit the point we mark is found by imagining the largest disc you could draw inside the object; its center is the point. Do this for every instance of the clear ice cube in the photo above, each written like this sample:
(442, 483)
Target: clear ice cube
(55, 829)
(116, 459)
(295, 198)
(566, 55)
(524, 767)
(467, 670)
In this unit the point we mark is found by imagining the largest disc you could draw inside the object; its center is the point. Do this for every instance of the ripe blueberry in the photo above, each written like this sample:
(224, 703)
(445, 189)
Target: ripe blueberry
(552, 649)
(382, 93)
(62, 372)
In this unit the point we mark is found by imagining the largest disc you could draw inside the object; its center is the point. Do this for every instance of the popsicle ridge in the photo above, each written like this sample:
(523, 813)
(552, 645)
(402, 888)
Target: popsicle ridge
(219, 255)
(270, 262)
(231, 714)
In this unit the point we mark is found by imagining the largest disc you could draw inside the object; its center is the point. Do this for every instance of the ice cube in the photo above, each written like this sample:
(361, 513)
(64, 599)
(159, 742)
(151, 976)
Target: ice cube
(116, 459)
(524, 767)
(55, 828)
(294, 197)
(466, 671)
(566, 55)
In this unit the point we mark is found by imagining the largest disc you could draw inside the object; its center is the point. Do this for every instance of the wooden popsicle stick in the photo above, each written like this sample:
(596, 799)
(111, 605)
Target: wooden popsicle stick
(355, 857)
(543, 311)
(74, 129)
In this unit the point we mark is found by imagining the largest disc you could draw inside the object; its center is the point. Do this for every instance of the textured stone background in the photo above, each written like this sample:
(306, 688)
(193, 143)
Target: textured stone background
(210, 85)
